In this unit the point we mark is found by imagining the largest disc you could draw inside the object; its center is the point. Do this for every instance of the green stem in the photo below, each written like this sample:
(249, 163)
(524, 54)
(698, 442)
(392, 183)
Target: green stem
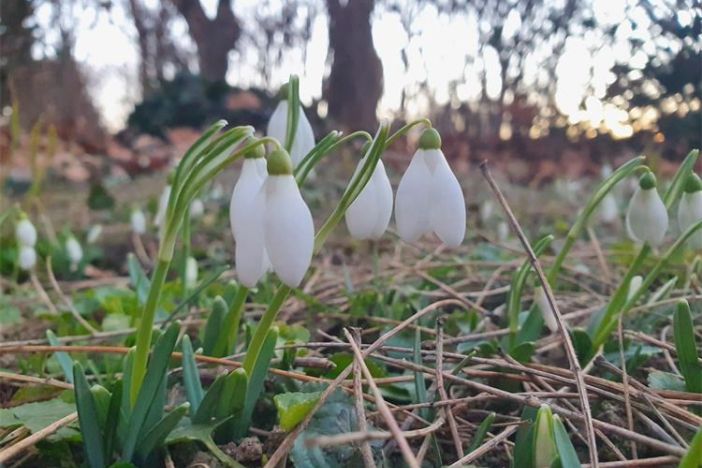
(185, 254)
(226, 341)
(293, 116)
(322, 149)
(143, 340)
(263, 326)
(392, 138)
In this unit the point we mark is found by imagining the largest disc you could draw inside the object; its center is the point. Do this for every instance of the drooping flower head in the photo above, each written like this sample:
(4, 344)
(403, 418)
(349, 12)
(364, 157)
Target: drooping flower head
(369, 214)
(74, 251)
(27, 257)
(647, 217)
(137, 221)
(191, 272)
(303, 142)
(690, 209)
(197, 208)
(429, 197)
(25, 232)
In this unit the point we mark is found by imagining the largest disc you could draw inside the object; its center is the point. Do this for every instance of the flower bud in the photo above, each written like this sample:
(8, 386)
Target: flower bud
(545, 450)
(25, 232)
(138, 221)
(26, 258)
(74, 250)
(369, 214)
(690, 209)
(191, 272)
(647, 217)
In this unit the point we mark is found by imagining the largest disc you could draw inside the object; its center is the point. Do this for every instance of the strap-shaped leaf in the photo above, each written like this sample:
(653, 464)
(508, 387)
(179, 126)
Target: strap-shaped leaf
(256, 380)
(685, 346)
(88, 419)
(157, 435)
(566, 452)
(153, 381)
(102, 403)
(481, 432)
(694, 453)
(420, 383)
(191, 376)
(213, 327)
(206, 412)
(62, 357)
(113, 417)
(233, 399)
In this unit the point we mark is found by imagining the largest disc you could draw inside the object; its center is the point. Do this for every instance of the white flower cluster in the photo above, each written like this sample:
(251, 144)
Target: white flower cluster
(26, 236)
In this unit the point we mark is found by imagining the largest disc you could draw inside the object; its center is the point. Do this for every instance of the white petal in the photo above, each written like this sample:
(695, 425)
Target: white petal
(647, 218)
(27, 257)
(74, 250)
(289, 229)
(412, 200)
(26, 233)
(448, 207)
(383, 200)
(304, 139)
(197, 208)
(138, 221)
(191, 272)
(278, 123)
(634, 286)
(690, 212)
(246, 216)
(542, 302)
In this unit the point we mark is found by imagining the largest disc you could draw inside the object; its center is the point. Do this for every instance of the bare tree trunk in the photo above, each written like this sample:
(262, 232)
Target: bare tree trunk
(140, 20)
(355, 83)
(214, 37)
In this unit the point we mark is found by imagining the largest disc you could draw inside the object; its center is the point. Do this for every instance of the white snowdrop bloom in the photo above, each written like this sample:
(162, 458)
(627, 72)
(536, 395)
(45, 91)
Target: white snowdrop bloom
(634, 286)
(609, 211)
(27, 257)
(25, 232)
(502, 231)
(74, 250)
(217, 192)
(94, 234)
(647, 217)
(278, 124)
(191, 272)
(246, 220)
(288, 226)
(197, 208)
(542, 302)
(160, 217)
(429, 197)
(369, 214)
(606, 170)
(690, 210)
(138, 221)
(487, 209)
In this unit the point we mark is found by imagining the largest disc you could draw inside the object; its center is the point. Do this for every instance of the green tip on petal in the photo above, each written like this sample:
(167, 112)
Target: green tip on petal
(283, 92)
(279, 163)
(647, 181)
(258, 151)
(693, 183)
(430, 139)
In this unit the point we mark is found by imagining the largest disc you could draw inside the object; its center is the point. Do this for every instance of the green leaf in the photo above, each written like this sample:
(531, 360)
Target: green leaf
(36, 416)
(523, 351)
(156, 436)
(151, 388)
(582, 344)
(566, 451)
(213, 327)
(232, 404)
(102, 400)
(659, 380)
(544, 448)
(113, 419)
(140, 282)
(62, 357)
(191, 375)
(481, 432)
(207, 410)
(420, 384)
(88, 419)
(201, 433)
(694, 453)
(293, 407)
(686, 349)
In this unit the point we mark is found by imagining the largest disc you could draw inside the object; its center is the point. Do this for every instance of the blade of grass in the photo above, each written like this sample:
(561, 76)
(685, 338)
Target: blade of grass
(88, 420)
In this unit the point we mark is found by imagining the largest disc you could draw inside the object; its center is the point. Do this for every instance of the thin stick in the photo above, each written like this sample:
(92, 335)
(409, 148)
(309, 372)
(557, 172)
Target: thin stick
(27, 442)
(485, 448)
(76, 315)
(625, 383)
(443, 395)
(570, 350)
(365, 436)
(366, 451)
(42, 293)
(407, 453)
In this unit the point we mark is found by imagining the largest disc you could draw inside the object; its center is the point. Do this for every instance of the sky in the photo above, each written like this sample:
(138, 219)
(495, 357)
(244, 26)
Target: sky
(106, 47)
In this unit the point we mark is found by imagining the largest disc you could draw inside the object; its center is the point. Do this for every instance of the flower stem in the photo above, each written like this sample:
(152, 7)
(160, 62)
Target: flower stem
(230, 328)
(263, 326)
(143, 340)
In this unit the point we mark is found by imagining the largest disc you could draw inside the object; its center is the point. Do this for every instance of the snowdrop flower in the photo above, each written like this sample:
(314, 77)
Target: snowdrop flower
(429, 198)
(690, 209)
(609, 211)
(138, 221)
(542, 302)
(278, 124)
(288, 227)
(27, 257)
(634, 286)
(246, 219)
(647, 217)
(369, 214)
(94, 234)
(197, 208)
(487, 208)
(74, 251)
(502, 231)
(191, 272)
(25, 232)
